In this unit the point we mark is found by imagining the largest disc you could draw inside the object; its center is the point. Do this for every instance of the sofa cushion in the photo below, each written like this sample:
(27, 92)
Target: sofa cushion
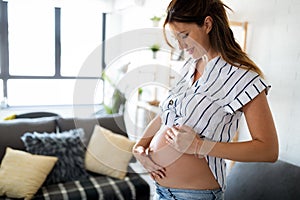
(12, 130)
(67, 146)
(108, 153)
(22, 174)
(267, 181)
(114, 123)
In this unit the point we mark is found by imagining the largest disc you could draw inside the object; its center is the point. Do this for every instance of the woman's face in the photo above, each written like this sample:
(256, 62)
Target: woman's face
(192, 38)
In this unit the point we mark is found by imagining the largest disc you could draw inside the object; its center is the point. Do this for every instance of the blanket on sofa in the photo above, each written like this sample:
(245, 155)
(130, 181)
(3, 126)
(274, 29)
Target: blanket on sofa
(101, 187)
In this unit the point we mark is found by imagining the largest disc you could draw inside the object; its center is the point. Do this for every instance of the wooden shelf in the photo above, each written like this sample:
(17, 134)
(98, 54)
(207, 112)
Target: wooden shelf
(147, 106)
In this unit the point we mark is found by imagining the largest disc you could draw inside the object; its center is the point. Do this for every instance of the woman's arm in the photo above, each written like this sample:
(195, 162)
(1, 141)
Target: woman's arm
(263, 146)
(149, 132)
(264, 143)
(142, 153)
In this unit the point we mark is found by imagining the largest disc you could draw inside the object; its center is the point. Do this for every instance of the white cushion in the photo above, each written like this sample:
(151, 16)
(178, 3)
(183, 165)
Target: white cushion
(108, 153)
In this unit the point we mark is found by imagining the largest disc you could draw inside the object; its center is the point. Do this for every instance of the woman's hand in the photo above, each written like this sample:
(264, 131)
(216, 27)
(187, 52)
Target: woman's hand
(184, 139)
(144, 157)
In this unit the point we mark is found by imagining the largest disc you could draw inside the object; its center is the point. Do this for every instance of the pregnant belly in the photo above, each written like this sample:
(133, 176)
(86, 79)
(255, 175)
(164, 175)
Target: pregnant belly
(180, 168)
(163, 154)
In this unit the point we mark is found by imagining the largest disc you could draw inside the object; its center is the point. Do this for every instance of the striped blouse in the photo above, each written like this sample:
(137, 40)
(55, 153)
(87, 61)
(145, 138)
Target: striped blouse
(212, 105)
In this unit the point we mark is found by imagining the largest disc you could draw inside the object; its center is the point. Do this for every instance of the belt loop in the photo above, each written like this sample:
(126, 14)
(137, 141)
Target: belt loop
(172, 195)
(215, 192)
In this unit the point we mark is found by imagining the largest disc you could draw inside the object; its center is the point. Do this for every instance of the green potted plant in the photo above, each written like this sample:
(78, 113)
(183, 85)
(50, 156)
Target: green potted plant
(118, 99)
(155, 20)
(155, 48)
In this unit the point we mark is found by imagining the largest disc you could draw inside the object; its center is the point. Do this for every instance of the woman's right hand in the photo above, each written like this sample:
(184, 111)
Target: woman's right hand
(144, 157)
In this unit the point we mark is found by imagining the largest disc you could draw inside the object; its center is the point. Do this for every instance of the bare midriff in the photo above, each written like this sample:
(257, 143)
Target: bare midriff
(184, 171)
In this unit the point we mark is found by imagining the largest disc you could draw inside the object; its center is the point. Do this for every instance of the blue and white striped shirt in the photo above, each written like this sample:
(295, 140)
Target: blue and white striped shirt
(211, 105)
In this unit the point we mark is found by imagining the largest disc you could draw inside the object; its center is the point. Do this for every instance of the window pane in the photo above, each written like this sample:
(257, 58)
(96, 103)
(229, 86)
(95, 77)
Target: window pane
(31, 37)
(81, 34)
(28, 92)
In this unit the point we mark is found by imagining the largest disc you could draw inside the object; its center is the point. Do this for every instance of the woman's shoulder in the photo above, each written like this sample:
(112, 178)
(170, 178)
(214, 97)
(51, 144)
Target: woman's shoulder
(227, 82)
(224, 70)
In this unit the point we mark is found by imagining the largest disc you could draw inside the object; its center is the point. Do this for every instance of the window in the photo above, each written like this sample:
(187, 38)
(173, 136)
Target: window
(47, 47)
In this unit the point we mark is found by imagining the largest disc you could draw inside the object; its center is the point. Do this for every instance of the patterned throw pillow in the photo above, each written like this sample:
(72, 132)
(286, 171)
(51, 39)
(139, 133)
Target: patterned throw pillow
(67, 146)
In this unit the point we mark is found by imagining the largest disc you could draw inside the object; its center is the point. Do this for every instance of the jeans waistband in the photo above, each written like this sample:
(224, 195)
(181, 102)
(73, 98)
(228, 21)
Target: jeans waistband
(175, 193)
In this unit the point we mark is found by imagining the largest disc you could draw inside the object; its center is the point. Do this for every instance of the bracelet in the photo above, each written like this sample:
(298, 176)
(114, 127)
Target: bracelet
(206, 147)
(197, 153)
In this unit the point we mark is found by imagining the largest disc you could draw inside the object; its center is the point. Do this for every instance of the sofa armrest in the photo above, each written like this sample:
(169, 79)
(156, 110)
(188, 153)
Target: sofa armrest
(267, 181)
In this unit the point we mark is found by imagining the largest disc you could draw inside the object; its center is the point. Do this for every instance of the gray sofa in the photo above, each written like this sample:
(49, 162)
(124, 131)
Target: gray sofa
(263, 181)
(132, 187)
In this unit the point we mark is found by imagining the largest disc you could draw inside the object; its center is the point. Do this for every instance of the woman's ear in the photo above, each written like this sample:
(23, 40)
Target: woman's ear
(208, 23)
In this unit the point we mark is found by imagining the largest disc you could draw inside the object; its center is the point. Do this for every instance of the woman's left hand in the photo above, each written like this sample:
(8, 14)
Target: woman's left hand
(184, 139)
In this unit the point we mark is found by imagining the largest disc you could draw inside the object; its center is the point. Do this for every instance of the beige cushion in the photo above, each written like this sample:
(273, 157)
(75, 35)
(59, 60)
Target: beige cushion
(22, 173)
(108, 153)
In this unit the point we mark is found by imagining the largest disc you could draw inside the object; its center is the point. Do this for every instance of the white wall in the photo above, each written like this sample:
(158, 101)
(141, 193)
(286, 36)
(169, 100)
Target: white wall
(273, 43)
(134, 17)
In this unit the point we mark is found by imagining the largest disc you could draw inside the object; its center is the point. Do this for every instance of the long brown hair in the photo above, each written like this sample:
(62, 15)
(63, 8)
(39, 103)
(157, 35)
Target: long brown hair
(221, 36)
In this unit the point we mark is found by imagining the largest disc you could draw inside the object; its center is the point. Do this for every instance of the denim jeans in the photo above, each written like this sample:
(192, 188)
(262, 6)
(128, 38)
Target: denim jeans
(164, 193)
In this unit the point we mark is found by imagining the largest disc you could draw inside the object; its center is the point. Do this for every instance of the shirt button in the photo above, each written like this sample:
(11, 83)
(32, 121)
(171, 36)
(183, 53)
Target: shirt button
(171, 102)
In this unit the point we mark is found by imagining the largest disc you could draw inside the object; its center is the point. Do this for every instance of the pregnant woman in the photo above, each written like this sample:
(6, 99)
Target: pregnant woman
(184, 147)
